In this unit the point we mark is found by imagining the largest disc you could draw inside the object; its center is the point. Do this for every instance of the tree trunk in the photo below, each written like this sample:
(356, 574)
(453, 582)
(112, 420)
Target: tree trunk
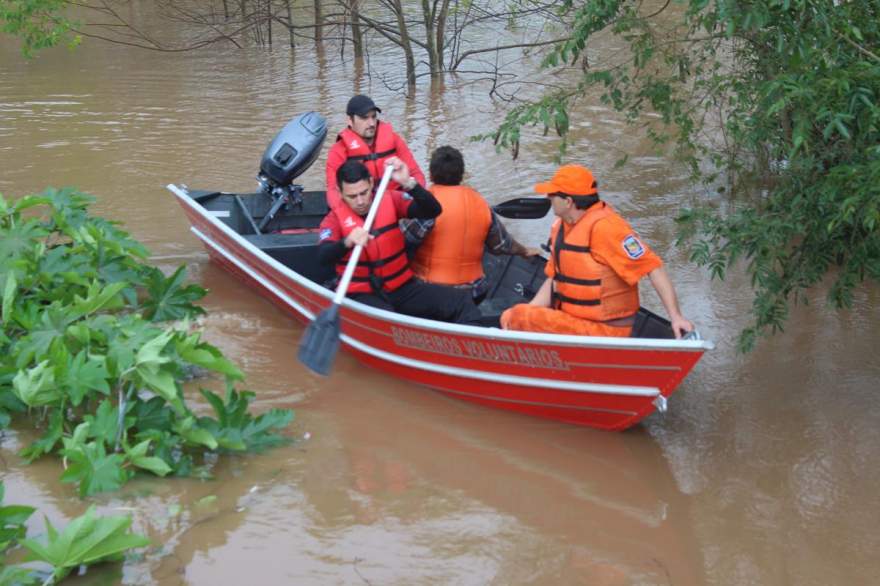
(290, 23)
(428, 17)
(407, 46)
(357, 34)
(440, 42)
(269, 20)
(319, 23)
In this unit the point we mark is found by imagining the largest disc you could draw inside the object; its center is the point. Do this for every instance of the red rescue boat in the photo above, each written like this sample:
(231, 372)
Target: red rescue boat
(269, 239)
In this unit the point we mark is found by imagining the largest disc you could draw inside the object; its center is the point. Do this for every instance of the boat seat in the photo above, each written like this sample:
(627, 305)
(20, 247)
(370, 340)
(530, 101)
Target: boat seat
(296, 251)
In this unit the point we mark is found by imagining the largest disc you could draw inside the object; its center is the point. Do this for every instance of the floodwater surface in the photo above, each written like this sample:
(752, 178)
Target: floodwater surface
(763, 471)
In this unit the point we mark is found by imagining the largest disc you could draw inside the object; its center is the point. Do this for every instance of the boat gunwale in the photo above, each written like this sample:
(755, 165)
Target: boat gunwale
(481, 332)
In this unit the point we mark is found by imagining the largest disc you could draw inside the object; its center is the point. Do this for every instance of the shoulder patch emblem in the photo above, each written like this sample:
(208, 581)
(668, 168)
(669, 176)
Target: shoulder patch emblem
(633, 247)
(349, 222)
(325, 234)
(354, 144)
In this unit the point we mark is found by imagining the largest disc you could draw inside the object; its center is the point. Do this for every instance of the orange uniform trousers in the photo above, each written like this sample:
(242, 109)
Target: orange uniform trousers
(534, 318)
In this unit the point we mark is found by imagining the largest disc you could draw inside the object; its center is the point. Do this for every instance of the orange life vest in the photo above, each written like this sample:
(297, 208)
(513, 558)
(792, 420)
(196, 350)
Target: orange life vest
(585, 287)
(452, 253)
(372, 156)
(383, 263)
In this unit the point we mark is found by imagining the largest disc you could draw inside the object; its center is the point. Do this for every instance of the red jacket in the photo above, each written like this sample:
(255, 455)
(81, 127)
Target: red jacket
(386, 144)
(383, 262)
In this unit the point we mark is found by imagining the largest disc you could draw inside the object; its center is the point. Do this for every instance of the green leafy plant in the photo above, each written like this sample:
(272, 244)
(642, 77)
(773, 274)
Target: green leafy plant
(87, 351)
(39, 23)
(236, 429)
(86, 540)
(12, 522)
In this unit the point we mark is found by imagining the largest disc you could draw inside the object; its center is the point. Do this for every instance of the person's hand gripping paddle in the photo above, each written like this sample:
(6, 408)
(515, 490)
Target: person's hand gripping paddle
(320, 342)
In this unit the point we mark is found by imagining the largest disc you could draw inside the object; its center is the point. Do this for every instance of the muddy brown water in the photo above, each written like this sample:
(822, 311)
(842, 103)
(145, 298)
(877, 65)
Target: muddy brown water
(764, 470)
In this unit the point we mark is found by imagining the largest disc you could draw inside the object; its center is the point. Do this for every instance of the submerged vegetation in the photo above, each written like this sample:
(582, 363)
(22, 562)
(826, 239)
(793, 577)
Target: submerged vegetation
(86, 540)
(95, 346)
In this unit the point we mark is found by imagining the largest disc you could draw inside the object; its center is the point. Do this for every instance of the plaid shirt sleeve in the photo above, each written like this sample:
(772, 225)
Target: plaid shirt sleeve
(415, 230)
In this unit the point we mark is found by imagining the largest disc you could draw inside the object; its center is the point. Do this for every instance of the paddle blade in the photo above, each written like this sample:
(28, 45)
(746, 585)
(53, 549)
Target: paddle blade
(523, 208)
(320, 342)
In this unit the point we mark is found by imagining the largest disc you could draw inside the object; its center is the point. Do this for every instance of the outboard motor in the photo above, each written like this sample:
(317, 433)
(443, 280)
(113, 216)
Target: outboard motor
(291, 152)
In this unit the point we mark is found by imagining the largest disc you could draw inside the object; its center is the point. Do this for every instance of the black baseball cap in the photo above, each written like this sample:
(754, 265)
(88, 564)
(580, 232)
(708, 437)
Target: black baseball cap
(361, 105)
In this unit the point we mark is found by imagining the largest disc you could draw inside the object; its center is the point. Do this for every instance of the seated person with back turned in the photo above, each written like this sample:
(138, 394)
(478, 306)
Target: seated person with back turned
(382, 277)
(451, 249)
(596, 261)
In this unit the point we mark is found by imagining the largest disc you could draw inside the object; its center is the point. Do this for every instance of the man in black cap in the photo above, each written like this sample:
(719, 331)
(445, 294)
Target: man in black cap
(369, 141)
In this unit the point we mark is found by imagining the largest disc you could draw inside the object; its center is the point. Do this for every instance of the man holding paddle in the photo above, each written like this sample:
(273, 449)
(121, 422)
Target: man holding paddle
(382, 277)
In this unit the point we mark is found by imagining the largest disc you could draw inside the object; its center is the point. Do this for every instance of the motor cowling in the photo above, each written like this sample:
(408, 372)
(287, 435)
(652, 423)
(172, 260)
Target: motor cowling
(293, 150)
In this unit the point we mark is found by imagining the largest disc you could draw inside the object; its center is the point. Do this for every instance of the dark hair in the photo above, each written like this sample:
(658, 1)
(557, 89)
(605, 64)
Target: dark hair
(447, 166)
(583, 202)
(351, 172)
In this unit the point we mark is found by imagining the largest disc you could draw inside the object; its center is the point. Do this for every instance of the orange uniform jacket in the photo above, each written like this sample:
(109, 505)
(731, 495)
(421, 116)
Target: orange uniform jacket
(452, 253)
(596, 265)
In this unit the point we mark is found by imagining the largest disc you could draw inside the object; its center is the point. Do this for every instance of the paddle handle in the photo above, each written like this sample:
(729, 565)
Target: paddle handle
(368, 224)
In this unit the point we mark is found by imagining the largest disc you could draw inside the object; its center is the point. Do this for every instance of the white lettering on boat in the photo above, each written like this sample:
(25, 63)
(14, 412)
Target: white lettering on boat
(478, 349)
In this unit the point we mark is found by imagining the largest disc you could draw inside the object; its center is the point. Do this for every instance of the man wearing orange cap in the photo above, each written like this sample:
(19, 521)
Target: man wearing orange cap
(596, 261)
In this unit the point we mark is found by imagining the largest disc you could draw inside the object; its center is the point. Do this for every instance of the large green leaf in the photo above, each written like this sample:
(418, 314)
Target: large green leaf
(236, 429)
(84, 374)
(12, 521)
(86, 540)
(193, 350)
(169, 297)
(17, 576)
(189, 429)
(97, 297)
(138, 457)
(21, 238)
(90, 466)
(49, 439)
(104, 424)
(33, 347)
(8, 296)
(36, 386)
(152, 414)
(150, 353)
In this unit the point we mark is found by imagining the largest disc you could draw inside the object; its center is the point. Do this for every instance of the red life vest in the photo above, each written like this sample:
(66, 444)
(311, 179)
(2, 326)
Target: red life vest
(383, 263)
(452, 253)
(585, 287)
(372, 156)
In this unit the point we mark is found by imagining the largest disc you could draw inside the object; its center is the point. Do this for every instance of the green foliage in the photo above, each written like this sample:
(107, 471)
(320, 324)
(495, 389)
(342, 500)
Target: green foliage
(84, 350)
(236, 429)
(86, 540)
(12, 522)
(16, 576)
(39, 23)
(169, 297)
(779, 98)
